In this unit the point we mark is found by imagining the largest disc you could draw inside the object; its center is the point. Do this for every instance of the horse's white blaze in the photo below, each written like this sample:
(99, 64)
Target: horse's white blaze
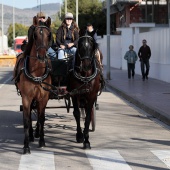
(107, 160)
(163, 155)
(37, 161)
(5, 82)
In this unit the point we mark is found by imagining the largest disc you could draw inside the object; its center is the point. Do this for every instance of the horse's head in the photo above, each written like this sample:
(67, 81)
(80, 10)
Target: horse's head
(42, 37)
(86, 52)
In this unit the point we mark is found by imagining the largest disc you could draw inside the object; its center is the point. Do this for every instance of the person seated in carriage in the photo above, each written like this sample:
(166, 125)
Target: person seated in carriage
(67, 37)
(41, 17)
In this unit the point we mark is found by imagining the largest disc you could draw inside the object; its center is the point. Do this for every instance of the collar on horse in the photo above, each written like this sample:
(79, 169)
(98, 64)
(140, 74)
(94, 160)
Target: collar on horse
(89, 78)
(36, 79)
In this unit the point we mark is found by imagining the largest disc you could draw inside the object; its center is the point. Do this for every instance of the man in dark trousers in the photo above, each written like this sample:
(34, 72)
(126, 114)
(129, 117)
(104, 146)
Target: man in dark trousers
(144, 56)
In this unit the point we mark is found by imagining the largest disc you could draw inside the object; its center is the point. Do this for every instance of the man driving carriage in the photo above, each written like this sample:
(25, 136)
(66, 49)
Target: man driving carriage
(41, 17)
(67, 36)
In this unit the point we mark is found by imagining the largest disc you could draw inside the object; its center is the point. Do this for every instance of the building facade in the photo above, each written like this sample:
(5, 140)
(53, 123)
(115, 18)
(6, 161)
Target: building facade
(125, 12)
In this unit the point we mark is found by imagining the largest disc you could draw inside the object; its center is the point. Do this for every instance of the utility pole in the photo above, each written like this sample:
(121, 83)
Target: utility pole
(60, 11)
(13, 22)
(108, 39)
(65, 6)
(77, 12)
(2, 32)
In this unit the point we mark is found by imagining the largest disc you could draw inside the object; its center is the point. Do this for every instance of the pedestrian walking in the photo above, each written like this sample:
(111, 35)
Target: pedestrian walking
(144, 56)
(131, 58)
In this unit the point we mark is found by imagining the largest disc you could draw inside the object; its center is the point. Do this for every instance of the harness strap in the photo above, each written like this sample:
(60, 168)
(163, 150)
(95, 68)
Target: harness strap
(86, 79)
(36, 79)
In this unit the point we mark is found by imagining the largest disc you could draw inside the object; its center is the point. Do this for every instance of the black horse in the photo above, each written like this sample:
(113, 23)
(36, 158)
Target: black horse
(84, 85)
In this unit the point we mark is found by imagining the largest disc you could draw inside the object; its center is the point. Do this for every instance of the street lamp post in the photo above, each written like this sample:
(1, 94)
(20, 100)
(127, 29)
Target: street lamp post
(13, 21)
(108, 39)
(77, 12)
(60, 11)
(65, 6)
(2, 32)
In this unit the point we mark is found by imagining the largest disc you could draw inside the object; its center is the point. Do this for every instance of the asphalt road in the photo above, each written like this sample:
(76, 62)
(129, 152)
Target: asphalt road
(126, 138)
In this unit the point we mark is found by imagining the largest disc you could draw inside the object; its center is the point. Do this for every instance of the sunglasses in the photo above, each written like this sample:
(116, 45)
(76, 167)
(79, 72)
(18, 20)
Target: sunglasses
(69, 18)
(42, 17)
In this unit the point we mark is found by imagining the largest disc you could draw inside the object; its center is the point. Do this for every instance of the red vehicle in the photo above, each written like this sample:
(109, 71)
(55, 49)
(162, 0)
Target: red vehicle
(18, 42)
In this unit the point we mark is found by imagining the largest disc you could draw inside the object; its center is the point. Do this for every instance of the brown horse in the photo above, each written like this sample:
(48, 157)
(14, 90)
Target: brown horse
(30, 71)
(84, 84)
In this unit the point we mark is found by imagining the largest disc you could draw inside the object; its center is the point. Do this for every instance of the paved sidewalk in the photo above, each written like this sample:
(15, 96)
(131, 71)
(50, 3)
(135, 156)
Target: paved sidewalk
(153, 96)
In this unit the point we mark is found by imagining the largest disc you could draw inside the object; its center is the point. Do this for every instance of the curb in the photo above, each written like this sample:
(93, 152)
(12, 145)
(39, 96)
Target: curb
(150, 110)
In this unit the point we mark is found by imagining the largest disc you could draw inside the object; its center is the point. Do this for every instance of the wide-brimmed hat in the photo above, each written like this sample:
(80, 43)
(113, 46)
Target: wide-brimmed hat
(40, 14)
(69, 15)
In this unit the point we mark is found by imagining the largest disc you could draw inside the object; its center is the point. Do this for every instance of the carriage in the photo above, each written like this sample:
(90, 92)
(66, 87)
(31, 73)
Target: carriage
(39, 79)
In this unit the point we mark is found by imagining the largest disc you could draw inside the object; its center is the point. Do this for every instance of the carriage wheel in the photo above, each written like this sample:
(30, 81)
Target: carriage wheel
(93, 118)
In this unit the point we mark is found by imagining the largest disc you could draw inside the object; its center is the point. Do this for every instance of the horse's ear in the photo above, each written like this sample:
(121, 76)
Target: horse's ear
(48, 22)
(35, 21)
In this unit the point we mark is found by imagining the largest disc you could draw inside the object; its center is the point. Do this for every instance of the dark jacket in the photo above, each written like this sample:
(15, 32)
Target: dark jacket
(93, 34)
(61, 35)
(144, 53)
(30, 31)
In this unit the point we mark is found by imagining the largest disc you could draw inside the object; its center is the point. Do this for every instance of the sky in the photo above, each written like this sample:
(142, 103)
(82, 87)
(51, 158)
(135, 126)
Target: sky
(27, 3)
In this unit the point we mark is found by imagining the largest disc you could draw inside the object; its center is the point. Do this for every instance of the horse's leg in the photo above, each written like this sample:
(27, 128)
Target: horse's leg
(31, 136)
(34, 106)
(76, 113)
(37, 134)
(41, 120)
(26, 122)
(86, 143)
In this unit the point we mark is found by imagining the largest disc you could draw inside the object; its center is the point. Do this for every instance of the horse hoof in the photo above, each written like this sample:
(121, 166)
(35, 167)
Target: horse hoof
(41, 144)
(26, 151)
(79, 138)
(86, 145)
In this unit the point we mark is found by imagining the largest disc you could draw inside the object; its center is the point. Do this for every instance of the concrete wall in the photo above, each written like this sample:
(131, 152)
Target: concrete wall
(157, 39)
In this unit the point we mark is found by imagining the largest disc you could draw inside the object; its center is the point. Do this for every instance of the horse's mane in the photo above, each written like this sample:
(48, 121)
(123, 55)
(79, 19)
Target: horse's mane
(29, 45)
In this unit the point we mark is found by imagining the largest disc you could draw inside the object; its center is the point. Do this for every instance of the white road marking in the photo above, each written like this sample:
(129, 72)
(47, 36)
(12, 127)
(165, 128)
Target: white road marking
(107, 159)
(5, 82)
(163, 155)
(37, 161)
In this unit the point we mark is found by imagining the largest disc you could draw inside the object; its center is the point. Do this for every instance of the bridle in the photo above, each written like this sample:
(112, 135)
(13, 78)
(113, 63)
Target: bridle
(85, 46)
(86, 79)
(41, 45)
